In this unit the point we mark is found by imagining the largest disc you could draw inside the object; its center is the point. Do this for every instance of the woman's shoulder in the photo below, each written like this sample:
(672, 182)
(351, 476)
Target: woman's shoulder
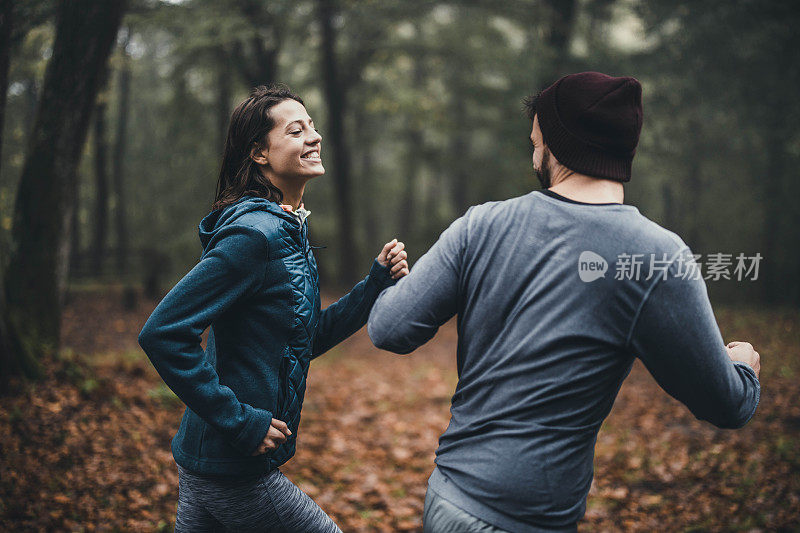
(263, 221)
(270, 226)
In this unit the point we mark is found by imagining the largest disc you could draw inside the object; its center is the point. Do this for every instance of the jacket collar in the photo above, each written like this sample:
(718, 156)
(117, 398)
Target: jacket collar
(220, 218)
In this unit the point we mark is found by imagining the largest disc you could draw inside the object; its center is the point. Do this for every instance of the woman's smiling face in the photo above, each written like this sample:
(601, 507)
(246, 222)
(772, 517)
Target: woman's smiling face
(293, 146)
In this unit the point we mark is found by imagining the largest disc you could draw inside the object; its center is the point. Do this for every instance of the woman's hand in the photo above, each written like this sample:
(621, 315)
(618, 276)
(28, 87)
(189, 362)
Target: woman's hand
(278, 431)
(393, 255)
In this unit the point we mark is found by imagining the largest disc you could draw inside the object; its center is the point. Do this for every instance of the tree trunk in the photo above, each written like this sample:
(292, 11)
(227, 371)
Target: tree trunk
(366, 221)
(260, 65)
(224, 94)
(695, 189)
(670, 207)
(777, 280)
(100, 218)
(459, 145)
(31, 93)
(335, 97)
(35, 277)
(120, 218)
(372, 220)
(75, 230)
(409, 212)
(6, 14)
(414, 142)
(558, 36)
(431, 224)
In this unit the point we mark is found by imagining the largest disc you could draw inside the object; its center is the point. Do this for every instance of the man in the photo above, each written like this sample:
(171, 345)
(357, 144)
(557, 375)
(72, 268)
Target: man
(556, 293)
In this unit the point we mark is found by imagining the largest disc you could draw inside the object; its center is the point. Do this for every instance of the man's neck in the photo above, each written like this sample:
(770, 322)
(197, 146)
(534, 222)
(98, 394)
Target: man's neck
(587, 189)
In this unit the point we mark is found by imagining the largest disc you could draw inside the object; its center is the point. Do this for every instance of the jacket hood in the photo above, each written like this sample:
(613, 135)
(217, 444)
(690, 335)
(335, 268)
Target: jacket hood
(225, 216)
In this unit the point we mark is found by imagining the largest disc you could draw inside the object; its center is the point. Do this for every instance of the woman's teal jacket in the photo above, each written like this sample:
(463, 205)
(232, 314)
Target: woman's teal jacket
(256, 285)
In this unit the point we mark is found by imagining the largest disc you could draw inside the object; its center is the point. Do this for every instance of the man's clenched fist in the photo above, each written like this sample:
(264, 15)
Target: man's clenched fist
(744, 352)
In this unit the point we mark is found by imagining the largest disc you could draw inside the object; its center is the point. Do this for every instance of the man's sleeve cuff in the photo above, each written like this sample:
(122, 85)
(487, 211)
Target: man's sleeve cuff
(750, 370)
(747, 367)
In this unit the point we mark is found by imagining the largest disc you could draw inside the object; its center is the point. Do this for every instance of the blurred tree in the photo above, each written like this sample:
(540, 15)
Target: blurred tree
(75, 244)
(336, 101)
(120, 144)
(255, 52)
(34, 280)
(6, 21)
(429, 117)
(101, 188)
(224, 95)
(558, 35)
(410, 211)
(726, 64)
(16, 20)
(240, 39)
(343, 58)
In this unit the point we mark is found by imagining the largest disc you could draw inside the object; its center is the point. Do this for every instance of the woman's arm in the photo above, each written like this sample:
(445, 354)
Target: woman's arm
(232, 270)
(349, 314)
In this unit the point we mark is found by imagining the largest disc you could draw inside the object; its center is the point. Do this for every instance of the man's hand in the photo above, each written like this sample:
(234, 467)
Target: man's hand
(744, 352)
(394, 255)
(278, 431)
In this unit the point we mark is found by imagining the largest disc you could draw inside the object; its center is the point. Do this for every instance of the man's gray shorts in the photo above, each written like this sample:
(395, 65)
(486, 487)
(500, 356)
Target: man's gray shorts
(442, 516)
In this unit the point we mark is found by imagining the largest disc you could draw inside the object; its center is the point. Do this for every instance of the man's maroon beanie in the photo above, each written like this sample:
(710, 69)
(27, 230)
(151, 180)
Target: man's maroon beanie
(591, 123)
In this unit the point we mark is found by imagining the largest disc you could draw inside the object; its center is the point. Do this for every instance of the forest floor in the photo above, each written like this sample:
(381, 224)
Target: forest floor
(87, 448)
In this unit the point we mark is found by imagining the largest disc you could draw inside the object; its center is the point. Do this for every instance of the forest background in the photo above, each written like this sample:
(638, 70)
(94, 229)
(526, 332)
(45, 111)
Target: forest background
(113, 117)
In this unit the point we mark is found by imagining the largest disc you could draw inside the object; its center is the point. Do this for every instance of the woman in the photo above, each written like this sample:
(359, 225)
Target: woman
(256, 285)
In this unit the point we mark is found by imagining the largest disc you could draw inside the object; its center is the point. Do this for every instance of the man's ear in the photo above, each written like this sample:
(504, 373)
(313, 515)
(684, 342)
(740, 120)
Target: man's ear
(259, 155)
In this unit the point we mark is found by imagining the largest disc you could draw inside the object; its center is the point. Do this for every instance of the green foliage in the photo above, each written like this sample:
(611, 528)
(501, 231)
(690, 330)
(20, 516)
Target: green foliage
(726, 126)
(164, 395)
(434, 120)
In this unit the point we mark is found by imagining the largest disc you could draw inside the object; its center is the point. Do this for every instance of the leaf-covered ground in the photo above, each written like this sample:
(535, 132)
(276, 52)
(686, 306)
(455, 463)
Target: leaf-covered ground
(87, 448)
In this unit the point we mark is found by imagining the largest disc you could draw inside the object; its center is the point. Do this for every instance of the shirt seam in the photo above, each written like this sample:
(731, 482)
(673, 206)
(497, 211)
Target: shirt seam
(647, 294)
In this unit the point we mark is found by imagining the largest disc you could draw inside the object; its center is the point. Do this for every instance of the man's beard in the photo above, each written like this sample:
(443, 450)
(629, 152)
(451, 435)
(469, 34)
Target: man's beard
(543, 172)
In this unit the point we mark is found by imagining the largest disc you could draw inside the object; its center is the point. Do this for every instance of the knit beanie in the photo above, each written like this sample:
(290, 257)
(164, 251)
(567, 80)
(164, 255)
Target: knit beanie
(591, 123)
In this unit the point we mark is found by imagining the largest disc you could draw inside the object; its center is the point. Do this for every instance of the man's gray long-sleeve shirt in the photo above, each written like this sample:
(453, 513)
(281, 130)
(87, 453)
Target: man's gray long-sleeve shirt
(554, 301)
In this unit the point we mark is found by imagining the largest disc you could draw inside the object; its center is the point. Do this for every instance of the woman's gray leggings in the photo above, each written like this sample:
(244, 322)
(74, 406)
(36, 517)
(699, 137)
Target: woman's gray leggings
(266, 503)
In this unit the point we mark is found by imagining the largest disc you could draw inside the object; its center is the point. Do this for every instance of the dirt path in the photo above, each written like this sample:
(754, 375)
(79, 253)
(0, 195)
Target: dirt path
(88, 448)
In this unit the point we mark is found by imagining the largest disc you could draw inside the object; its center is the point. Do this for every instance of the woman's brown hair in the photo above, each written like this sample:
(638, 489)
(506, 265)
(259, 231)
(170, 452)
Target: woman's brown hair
(251, 121)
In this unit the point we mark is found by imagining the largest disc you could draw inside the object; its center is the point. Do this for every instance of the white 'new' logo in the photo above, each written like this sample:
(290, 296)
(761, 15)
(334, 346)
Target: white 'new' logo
(591, 266)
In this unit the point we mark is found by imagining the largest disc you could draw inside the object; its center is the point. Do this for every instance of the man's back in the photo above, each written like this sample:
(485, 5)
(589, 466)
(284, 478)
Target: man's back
(552, 309)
